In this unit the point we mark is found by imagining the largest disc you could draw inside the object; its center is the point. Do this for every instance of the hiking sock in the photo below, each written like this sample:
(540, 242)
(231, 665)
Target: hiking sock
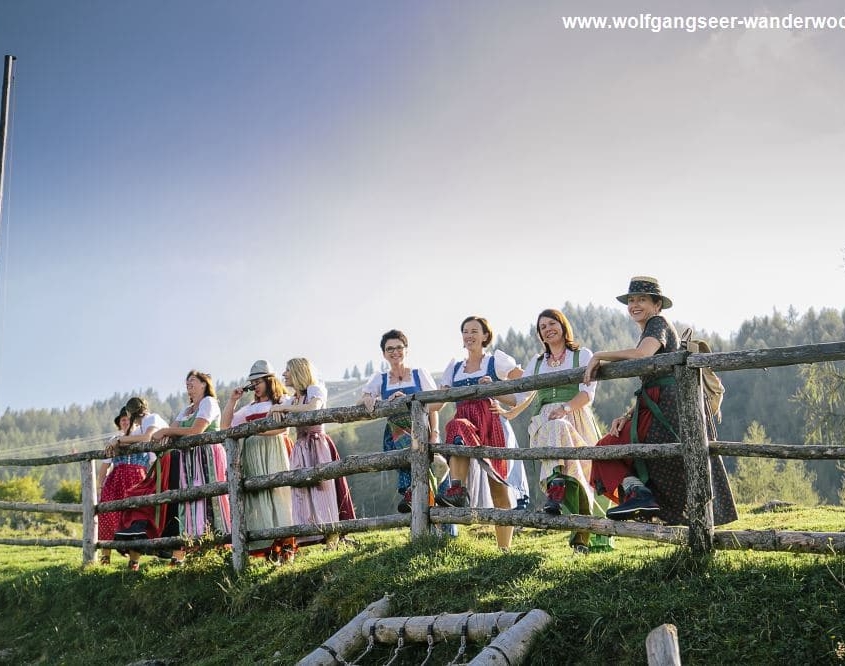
(629, 483)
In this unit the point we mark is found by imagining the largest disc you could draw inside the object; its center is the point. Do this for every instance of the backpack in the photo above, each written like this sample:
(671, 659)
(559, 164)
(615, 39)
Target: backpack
(714, 390)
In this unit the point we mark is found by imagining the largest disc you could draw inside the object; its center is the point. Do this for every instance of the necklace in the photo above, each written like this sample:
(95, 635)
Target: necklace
(555, 361)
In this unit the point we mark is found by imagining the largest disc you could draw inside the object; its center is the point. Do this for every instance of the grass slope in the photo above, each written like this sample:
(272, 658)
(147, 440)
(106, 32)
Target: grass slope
(738, 608)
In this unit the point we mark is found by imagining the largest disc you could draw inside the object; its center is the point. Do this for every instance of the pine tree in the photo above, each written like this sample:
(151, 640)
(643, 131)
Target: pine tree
(760, 479)
(823, 401)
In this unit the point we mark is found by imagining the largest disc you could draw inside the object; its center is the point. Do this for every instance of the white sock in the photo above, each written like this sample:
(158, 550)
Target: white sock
(631, 482)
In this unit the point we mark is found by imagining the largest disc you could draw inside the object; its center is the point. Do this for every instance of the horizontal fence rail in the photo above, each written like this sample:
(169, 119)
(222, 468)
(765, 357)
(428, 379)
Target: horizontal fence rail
(694, 448)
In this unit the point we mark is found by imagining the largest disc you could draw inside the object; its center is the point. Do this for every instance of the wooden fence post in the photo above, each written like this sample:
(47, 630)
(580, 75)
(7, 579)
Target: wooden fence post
(237, 504)
(661, 646)
(420, 524)
(89, 516)
(694, 444)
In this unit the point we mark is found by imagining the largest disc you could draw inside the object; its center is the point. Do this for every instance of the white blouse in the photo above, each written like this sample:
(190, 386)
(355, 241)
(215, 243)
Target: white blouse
(208, 409)
(502, 363)
(373, 386)
(567, 363)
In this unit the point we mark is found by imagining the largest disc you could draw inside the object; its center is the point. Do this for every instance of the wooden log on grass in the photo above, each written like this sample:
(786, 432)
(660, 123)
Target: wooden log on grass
(446, 626)
(348, 641)
(821, 543)
(514, 645)
(661, 646)
(674, 534)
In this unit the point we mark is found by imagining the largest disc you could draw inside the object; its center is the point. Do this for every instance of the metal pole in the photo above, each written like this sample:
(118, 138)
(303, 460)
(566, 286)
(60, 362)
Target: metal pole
(4, 121)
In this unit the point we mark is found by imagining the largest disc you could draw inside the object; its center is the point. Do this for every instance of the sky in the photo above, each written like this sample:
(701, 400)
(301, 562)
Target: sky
(200, 184)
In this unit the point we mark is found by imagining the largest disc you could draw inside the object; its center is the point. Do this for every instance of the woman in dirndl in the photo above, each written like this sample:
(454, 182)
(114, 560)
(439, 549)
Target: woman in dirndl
(120, 473)
(478, 422)
(398, 381)
(197, 466)
(132, 523)
(326, 501)
(563, 417)
(263, 454)
(654, 488)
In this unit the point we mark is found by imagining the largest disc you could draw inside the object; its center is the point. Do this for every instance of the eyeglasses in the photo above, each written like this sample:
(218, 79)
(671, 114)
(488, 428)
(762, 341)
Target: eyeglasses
(390, 350)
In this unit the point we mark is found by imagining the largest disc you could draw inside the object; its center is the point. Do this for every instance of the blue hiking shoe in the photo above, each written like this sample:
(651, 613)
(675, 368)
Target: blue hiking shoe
(639, 504)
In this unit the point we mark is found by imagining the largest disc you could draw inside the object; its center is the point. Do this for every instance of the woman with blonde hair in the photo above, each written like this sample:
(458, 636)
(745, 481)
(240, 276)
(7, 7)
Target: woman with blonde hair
(325, 501)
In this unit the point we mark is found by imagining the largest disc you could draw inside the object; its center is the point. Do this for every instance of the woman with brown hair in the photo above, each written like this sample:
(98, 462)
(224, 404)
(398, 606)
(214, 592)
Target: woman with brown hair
(563, 417)
(267, 453)
(399, 380)
(124, 470)
(656, 487)
(185, 469)
(477, 422)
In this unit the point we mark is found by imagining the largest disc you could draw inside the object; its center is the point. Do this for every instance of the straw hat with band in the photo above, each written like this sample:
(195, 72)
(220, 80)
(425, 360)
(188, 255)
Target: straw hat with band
(643, 284)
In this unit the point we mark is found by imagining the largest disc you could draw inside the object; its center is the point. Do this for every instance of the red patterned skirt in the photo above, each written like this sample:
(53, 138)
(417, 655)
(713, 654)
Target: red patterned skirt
(116, 487)
(477, 424)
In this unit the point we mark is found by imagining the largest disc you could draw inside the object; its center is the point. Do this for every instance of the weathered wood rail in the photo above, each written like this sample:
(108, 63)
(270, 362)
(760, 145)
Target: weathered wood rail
(699, 535)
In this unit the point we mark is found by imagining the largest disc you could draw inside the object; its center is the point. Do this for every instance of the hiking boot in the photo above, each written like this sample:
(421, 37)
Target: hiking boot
(455, 495)
(405, 502)
(639, 503)
(580, 549)
(555, 493)
(137, 530)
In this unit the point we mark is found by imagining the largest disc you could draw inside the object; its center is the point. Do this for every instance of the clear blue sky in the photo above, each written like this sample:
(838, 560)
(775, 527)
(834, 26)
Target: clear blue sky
(201, 184)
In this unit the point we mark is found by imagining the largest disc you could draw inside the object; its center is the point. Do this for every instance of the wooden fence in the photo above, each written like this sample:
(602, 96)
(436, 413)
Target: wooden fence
(699, 535)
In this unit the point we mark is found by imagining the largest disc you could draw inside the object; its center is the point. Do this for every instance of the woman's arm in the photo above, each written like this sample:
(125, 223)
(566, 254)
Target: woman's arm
(102, 472)
(229, 408)
(199, 425)
(647, 347)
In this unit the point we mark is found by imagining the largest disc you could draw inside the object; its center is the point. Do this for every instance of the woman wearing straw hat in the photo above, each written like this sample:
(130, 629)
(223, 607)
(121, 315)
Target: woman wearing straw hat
(267, 453)
(653, 488)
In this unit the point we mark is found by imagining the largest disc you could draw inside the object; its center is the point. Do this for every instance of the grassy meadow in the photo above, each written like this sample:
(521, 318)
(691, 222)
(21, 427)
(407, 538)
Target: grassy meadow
(736, 608)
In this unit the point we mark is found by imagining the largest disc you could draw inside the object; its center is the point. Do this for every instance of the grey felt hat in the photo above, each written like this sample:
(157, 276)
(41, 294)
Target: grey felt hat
(261, 369)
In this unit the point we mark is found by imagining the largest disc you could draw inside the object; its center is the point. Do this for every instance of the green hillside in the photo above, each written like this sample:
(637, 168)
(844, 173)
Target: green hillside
(738, 608)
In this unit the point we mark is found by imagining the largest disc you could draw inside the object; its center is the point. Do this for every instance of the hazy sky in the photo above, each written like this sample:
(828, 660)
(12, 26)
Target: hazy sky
(200, 184)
